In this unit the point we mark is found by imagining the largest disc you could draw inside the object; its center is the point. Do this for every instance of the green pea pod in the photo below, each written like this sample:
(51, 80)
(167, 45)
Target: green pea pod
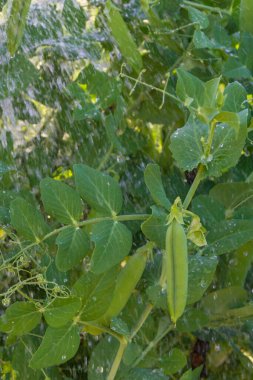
(176, 262)
(246, 16)
(126, 282)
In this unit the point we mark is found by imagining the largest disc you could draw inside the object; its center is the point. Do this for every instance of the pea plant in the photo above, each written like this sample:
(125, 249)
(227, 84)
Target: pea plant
(131, 259)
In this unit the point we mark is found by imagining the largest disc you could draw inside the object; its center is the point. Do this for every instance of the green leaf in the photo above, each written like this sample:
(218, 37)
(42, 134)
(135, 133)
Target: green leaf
(192, 374)
(190, 89)
(209, 210)
(102, 357)
(174, 362)
(219, 301)
(200, 276)
(199, 17)
(246, 16)
(20, 318)
(62, 310)
(113, 242)
(235, 95)
(155, 227)
(145, 374)
(211, 92)
(233, 68)
(74, 17)
(192, 320)
(230, 118)
(73, 244)
(57, 347)
(201, 41)
(153, 180)
(233, 195)
(186, 145)
(27, 220)
(239, 263)
(20, 359)
(123, 37)
(20, 72)
(226, 145)
(16, 24)
(96, 293)
(227, 236)
(99, 190)
(61, 201)
(245, 50)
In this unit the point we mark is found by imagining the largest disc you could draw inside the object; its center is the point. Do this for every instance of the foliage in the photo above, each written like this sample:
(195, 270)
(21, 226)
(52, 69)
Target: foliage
(117, 118)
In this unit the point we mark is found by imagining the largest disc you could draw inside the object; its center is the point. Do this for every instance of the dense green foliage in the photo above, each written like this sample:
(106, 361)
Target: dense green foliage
(116, 119)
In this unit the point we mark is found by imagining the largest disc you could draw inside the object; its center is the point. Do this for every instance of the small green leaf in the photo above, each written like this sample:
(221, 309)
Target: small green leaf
(190, 89)
(96, 293)
(230, 118)
(198, 17)
(113, 242)
(27, 220)
(59, 312)
(20, 318)
(61, 201)
(153, 180)
(200, 276)
(201, 41)
(123, 37)
(155, 227)
(235, 95)
(16, 24)
(99, 190)
(57, 347)
(174, 362)
(73, 244)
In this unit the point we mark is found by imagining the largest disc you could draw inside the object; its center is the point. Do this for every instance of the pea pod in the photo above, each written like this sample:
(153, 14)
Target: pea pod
(246, 16)
(176, 262)
(126, 282)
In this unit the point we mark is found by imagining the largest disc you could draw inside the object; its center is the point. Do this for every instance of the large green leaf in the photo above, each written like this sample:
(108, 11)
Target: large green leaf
(153, 180)
(20, 318)
(113, 242)
(57, 347)
(61, 201)
(192, 320)
(27, 220)
(96, 293)
(73, 244)
(208, 209)
(246, 16)
(200, 276)
(227, 144)
(233, 68)
(222, 300)
(155, 227)
(233, 195)
(20, 359)
(99, 190)
(59, 312)
(123, 37)
(227, 236)
(16, 24)
(198, 17)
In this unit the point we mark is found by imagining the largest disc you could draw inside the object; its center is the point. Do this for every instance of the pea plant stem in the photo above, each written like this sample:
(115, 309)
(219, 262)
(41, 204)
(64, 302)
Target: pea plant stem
(116, 363)
(152, 344)
(194, 186)
(141, 321)
(206, 7)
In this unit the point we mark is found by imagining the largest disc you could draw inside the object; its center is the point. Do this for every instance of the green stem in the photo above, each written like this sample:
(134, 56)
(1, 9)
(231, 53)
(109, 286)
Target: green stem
(137, 81)
(151, 345)
(119, 218)
(206, 7)
(116, 363)
(141, 321)
(194, 186)
(105, 158)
